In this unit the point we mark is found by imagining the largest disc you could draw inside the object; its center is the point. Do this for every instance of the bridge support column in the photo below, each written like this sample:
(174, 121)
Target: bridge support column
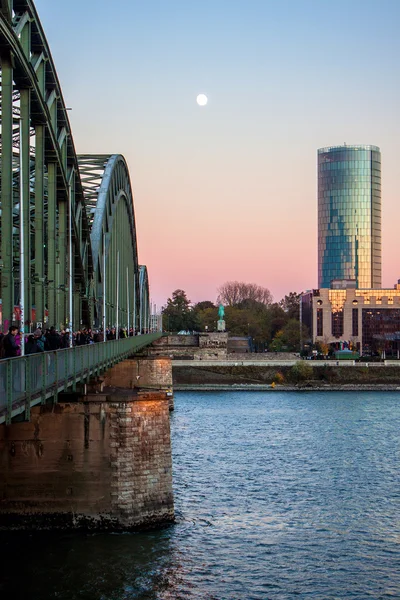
(103, 462)
(142, 373)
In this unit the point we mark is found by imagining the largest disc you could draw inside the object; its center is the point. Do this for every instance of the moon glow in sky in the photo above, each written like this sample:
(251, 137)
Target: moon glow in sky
(201, 99)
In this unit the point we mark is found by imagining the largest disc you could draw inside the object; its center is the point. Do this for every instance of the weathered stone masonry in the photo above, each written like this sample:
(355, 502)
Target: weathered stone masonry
(101, 463)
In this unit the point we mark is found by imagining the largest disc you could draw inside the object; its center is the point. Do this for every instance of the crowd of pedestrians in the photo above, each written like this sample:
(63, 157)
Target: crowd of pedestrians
(51, 339)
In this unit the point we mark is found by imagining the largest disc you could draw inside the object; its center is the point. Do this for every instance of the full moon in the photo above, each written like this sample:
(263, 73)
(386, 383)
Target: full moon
(201, 99)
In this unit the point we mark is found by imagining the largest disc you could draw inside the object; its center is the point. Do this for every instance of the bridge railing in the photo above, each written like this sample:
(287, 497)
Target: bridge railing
(29, 380)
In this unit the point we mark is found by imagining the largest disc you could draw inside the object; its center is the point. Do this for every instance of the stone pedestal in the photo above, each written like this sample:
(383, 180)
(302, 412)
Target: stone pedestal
(220, 325)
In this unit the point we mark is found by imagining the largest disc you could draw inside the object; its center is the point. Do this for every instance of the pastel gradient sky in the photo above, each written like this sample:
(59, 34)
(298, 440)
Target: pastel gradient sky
(228, 191)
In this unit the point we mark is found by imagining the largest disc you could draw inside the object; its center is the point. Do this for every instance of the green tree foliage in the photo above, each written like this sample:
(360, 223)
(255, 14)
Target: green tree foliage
(207, 318)
(206, 313)
(277, 344)
(291, 334)
(301, 371)
(178, 314)
(204, 305)
(249, 311)
(291, 305)
(248, 322)
(277, 317)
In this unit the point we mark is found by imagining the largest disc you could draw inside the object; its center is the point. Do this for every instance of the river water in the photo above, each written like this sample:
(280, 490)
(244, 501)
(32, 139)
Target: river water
(278, 496)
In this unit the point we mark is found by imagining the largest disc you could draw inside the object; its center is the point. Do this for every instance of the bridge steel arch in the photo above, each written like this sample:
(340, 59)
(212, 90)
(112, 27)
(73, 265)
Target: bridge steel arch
(80, 209)
(109, 204)
(144, 291)
(35, 131)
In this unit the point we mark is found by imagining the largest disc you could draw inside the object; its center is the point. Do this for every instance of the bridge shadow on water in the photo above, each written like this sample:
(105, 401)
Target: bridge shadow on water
(88, 567)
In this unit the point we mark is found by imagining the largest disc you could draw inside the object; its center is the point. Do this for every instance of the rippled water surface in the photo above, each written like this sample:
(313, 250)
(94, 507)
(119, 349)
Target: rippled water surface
(277, 495)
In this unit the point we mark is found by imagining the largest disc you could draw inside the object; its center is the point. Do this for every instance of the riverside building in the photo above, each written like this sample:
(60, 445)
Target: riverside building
(349, 215)
(343, 316)
(349, 309)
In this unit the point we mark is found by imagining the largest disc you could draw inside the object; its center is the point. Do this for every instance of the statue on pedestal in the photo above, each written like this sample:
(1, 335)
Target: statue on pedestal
(221, 322)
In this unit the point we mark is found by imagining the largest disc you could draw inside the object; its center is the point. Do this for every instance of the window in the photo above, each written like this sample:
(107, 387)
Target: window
(320, 326)
(337, 324)
(355, 322)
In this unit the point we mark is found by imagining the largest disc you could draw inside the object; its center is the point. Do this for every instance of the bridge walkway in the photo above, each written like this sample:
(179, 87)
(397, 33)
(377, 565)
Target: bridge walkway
(29, 380)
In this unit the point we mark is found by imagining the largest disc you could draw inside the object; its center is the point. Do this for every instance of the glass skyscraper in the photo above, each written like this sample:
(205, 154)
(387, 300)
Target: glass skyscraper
(349, 215)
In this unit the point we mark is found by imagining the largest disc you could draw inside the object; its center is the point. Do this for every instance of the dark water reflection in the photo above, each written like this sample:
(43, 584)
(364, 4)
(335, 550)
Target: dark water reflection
(278, 496)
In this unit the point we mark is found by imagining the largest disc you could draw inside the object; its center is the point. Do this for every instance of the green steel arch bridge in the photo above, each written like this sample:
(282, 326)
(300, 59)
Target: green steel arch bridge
(68, 248)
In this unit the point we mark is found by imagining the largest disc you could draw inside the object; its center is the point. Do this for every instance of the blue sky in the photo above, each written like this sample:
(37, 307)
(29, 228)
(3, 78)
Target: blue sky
(228, 191)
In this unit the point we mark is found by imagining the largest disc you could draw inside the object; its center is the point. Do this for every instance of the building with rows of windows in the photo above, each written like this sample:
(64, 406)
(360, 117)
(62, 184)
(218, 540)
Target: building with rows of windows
(350, 310)
(349, 215)
(364, 319)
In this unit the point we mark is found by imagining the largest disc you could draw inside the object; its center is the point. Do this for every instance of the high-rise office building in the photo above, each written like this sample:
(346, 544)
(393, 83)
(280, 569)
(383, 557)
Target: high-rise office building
(349, 215)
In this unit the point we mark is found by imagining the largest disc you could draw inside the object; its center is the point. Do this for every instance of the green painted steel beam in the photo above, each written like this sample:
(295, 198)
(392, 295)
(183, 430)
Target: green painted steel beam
(109, 202)
(39, 224)
(61, 265)
(7, 275)
(26, 169)
(51, 241)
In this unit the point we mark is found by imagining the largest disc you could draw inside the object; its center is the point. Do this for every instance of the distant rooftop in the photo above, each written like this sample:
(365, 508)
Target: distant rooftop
(348, 147)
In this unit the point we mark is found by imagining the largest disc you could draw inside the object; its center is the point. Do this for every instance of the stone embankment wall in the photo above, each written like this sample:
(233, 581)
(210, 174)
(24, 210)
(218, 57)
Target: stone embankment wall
(314, 374)
(152, 373)
(262, 356)
(203, 346)
(101, 463)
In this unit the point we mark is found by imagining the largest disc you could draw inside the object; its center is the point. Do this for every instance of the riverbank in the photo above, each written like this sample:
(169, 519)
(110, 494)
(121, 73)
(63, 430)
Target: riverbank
(223, 375)
(305, 387)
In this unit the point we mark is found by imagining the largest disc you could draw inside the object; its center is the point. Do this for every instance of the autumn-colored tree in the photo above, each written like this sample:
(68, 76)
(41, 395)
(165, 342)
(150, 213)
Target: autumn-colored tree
(277, 318)
(323, 346)
(277, 344)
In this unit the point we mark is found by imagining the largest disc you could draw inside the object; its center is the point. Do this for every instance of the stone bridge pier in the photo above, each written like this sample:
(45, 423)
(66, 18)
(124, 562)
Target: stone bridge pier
(100, 459)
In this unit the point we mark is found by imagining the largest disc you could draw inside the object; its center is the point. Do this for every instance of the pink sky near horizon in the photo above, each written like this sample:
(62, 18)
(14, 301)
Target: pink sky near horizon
(228, 191)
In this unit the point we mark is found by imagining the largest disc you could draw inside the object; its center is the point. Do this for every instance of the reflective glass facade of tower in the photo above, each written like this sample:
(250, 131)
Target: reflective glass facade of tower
(349, 215)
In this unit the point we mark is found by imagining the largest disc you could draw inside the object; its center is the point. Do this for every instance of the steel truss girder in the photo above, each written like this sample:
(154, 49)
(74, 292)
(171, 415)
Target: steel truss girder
(109, 202)
(144, 293)
(98, 188)
(24, 46)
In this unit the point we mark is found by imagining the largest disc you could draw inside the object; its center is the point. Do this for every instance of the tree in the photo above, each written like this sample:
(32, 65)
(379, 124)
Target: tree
(291, 334)
(203, 305)
(277, 343)
(277, 317)
(207, 318)
(206, 315)
(178, 314)
(291, 305)
(323, 346)
(301, 371)
(233, 293)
